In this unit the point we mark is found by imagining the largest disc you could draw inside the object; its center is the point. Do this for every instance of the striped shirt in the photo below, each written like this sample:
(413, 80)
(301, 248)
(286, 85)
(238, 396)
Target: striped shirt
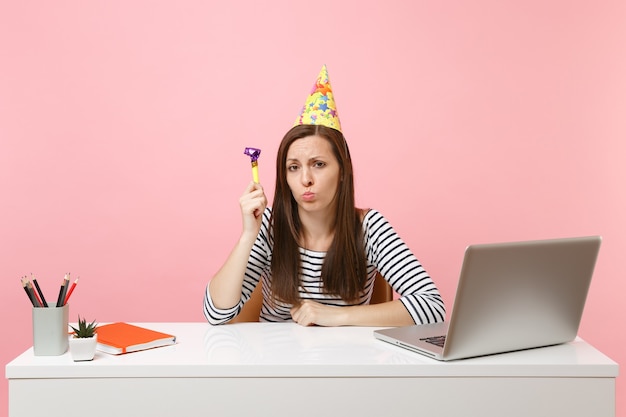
(385, 252)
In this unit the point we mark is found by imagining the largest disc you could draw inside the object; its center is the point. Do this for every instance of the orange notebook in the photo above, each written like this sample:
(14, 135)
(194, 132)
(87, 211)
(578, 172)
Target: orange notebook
(118, 338)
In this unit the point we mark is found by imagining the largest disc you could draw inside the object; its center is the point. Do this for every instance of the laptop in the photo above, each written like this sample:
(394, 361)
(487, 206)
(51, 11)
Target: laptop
(510, 296)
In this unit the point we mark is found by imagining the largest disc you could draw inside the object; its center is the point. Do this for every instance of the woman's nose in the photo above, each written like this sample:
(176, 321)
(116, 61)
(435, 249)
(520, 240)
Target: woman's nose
(307, 178)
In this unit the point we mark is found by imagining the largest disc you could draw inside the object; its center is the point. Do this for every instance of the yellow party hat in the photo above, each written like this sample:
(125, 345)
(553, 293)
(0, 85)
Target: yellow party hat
(320, 108)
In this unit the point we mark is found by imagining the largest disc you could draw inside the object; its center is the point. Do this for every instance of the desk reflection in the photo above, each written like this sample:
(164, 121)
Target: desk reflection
(285, 343)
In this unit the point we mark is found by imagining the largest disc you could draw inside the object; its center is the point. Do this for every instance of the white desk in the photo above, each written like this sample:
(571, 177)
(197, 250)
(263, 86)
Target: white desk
(254, 369)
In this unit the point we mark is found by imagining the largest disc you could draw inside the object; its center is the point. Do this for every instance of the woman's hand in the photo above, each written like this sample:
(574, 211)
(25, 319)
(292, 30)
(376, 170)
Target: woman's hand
(253, 202)
(309, 313)
(391, 313)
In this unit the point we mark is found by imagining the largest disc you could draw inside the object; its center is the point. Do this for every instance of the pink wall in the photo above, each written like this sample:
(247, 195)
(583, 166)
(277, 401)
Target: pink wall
(122, 127)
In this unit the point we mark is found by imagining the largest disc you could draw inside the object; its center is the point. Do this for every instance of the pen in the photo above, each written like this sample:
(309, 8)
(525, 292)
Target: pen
(41, 297)
(63, 290)
(70, 291)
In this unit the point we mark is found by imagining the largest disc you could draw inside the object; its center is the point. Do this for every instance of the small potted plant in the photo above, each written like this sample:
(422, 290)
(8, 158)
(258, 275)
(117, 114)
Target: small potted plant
(84, 340)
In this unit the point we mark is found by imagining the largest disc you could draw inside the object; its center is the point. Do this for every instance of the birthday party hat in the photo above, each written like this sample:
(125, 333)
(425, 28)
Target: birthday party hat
(320, 108)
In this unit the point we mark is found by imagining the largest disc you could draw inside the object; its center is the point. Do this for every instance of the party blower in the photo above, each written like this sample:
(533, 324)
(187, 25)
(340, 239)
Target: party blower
(254, 154)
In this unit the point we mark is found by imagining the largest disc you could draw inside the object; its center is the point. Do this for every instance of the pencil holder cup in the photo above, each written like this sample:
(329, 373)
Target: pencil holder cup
(50, 334)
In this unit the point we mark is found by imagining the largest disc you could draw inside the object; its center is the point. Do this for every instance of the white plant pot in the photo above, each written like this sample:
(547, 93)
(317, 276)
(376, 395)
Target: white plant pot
(83, 349)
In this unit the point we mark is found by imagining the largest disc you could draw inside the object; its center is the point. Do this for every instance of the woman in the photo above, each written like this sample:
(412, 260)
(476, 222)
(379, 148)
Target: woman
(316, 253)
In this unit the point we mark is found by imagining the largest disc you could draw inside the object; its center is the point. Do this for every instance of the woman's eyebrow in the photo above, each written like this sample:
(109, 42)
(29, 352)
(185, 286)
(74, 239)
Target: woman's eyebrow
(313, 158)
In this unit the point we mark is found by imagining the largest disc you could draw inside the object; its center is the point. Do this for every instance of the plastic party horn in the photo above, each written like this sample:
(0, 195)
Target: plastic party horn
(254, 154)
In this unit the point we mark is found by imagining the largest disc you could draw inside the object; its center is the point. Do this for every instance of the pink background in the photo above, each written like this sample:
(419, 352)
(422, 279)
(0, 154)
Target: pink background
(122, 127)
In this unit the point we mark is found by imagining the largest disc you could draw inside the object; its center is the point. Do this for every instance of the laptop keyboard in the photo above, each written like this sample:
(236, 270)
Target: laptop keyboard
(435, 340)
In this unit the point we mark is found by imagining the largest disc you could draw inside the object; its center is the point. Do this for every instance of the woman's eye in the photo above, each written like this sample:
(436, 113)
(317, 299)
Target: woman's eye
(319, 164)
(292, 167)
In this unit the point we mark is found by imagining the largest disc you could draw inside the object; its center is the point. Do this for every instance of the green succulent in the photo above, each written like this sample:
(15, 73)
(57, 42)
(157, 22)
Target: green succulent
(84, 329)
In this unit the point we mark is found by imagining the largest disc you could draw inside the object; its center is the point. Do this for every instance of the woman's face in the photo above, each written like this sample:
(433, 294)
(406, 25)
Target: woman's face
(313, 173)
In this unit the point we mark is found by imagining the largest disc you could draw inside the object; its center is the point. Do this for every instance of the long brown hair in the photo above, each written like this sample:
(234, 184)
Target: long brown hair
(344, 272)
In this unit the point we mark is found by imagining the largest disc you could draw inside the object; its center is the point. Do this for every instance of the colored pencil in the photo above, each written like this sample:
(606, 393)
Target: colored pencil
(32, 291)
(28, 293)
(71, 291)
(42, 298)
(63, 290)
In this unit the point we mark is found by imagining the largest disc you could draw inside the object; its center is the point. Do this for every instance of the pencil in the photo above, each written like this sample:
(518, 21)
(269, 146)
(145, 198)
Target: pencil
(70, 291)
(30, 296)
(32, 291)
(63, 290)
(43, 299)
